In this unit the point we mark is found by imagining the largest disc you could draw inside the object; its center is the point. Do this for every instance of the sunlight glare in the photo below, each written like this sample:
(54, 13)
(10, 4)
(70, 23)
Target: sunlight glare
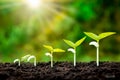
(33, 4)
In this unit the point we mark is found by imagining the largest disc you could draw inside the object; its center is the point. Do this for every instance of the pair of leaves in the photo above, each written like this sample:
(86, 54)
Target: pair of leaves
(74, 45)
(50, 48)
(25, 57)
(100, 36)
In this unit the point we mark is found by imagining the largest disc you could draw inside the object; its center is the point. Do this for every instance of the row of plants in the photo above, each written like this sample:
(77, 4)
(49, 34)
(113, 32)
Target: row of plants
(72, 48)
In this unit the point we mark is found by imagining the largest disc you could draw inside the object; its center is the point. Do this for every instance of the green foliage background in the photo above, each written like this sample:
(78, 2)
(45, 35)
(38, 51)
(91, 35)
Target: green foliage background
(19, 36)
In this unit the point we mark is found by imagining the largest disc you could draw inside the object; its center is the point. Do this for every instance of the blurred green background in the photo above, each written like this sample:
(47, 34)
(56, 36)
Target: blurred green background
(24, 30)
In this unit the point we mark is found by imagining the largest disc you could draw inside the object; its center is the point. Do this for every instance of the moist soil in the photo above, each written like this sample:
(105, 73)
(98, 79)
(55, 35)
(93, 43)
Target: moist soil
(60, 71)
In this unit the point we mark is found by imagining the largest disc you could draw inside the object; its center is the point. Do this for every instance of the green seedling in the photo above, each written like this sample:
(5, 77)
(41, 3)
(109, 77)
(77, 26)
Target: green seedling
(17, 60)
(51, 50)
(74, 46)
(28, 58)
(97, 38)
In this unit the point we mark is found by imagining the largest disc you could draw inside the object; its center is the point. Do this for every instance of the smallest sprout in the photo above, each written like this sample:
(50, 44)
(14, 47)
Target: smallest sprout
(17, 60)
(32, 57)
(48, 54)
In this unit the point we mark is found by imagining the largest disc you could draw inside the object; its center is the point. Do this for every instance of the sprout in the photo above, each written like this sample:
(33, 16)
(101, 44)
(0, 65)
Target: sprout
(32, 57)
(17, 60)
(50, 48)
(74, 52)
(25, 57)
(28, 58)
(74, 45)
(96, 43)
(48, 54)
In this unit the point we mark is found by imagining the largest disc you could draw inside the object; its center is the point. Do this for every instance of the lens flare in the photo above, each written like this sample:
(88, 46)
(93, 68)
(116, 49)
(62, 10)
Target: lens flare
(38, 13)
(33, 4)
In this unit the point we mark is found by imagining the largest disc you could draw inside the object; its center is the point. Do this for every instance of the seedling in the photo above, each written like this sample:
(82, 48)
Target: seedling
(74, 46)
(28, 58)
(97, 38)
(17, 60)
(49, 54)
(50, 48)
(25, 57)
(32, 57)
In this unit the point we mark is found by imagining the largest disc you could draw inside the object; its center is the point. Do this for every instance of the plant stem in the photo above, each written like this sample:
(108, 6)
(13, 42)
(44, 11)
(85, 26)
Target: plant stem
(34, 61)
(75, 57)
(51, 59)
(19, 63)
(97, 56)
(17, 60)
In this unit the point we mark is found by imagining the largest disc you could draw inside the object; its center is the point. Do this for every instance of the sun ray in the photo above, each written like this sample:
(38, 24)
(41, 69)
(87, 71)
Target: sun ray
(52, 10)
(9, 6)
(30, 25)
(46, 20)
(46, 13)
(61, 12)
(8, 1)
(58, 6)
(42, 22)
(55, 11)
(60, 1)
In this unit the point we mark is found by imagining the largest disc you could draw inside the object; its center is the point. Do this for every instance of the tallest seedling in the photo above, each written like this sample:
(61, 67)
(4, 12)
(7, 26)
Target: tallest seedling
(74, 45)
(97, 38)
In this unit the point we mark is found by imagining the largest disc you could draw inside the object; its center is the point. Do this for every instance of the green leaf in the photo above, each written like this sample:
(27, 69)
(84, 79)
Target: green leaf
(92, 35)
(25, 57)
(70, 43)
(79, 41)
(106, 34)
(58, 50)
(48, 47)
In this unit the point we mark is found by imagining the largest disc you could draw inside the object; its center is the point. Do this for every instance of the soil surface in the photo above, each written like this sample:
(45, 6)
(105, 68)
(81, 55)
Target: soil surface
(60, 71)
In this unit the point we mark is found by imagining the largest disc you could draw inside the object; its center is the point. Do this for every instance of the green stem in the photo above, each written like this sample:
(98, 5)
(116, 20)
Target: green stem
(51, 59)
(35, 61)
(75, 57)
(97, 56)
(19, 63)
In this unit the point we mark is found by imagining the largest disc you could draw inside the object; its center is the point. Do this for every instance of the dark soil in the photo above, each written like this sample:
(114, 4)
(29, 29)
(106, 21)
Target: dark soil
(60, 71)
